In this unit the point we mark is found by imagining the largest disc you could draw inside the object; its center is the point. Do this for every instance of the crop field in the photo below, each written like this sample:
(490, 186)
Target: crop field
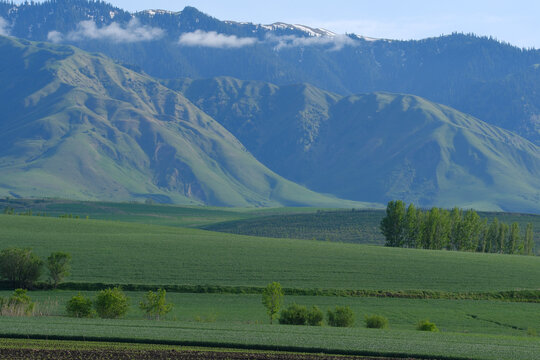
(139, 254)
(156, 214)
(126, 253)
(358, 341)
(457, 316)
(354, 226)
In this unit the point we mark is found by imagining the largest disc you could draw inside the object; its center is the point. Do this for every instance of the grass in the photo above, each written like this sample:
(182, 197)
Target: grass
(274, 337)
(155, 214)
(458, 316)
(124, 253)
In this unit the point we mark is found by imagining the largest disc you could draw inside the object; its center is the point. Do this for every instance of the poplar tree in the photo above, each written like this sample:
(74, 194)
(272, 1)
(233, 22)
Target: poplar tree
(513, 239)
(529, 241)
(393, 224)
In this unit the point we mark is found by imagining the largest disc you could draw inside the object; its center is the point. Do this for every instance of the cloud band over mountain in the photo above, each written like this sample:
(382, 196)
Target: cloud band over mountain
(4, 27)
(88, 30)
(215, 40)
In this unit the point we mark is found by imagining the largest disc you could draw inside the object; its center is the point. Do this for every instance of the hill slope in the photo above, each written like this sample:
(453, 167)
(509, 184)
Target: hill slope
(128, 253)
(77, 125)
(493, 81)
(375, 147)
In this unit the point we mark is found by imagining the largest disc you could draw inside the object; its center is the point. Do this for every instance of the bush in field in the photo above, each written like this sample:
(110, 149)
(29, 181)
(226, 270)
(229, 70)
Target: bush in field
(79, 306)
(342, 316)
(58, 264)
(300, 315)
(376, 322)
(20, 266)
(426, 325)
(272, 297)
(155, 304)
(19, 304)
(294, 315)
(111, 303)
(315, 317)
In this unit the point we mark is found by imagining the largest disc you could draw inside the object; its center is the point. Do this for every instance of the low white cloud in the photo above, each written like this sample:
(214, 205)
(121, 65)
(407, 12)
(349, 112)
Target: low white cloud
(4, 27)
(334, 43)
(215, 40)
(88, 30)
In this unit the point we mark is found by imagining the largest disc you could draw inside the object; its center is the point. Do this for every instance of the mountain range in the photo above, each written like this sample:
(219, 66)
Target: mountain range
(493, 81)
(184, 108)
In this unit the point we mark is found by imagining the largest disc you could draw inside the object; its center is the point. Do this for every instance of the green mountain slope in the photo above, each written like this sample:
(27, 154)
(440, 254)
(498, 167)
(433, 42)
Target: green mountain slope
(375, 147)
(77, 125)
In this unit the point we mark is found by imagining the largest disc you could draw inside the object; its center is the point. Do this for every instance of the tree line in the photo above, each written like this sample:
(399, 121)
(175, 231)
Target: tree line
(456, 229)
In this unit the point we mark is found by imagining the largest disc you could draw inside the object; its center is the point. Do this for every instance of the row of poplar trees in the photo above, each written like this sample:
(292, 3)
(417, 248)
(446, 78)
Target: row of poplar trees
(454, 229)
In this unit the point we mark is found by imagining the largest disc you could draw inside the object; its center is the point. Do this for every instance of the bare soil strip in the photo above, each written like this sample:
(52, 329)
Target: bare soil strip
(108, 354)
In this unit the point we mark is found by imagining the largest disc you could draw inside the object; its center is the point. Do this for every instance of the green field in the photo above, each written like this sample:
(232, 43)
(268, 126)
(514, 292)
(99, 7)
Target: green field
(318, 339)
(155, 214)
(456, 316)
(125, 253)
(152, 255)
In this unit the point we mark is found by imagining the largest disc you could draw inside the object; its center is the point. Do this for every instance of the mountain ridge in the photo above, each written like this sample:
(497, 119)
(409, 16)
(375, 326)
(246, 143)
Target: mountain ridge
(80, 126)
(375, 146)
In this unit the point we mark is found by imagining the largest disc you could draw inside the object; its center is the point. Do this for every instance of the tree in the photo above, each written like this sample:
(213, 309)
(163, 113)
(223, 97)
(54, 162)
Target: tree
(111, 303)
(513, 239)
(272, 298)
(529, 241)
(155, 304)
(393, 224)
(20, 266)
(58, 264)
(412, 227)
(491, 236)
(501, 239)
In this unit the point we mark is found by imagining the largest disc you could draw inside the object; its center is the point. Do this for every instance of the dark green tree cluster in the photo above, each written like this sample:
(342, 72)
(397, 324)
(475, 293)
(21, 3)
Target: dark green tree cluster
(456, 229)
(22, 268)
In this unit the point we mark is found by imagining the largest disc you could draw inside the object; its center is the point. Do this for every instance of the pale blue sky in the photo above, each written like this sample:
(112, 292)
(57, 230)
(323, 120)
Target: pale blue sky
(517, 22)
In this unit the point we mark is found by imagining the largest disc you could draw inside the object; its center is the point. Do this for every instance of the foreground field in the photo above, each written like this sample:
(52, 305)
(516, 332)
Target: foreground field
(357, 341)
(126, 253)
(46, 349)
(457, 316)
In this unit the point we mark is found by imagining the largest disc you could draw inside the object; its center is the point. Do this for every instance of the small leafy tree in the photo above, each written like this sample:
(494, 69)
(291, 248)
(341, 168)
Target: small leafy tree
(155, 305)
(59, 265)
(272, 298)
(79, 306)
(341, 316)
(20, 266)
(111, 303)
(426, 325)
(376, 322)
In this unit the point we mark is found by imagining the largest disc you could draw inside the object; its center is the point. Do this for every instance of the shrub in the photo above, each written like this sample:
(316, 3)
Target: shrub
(315, 317)
(20, 266)
(342, 316)
(294, 315)
(531, 332)
(19, 304)
(376, 322)
(155, 304)
(79, 306)
(111, 303)
(426, 325)
(58, 264)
